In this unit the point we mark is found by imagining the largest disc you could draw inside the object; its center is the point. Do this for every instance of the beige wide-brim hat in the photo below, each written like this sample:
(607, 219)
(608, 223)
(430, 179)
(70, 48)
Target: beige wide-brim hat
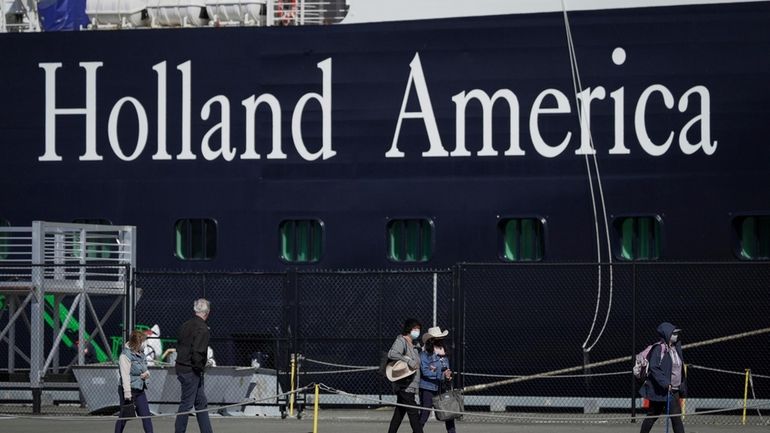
(434, 332)
(398, 370)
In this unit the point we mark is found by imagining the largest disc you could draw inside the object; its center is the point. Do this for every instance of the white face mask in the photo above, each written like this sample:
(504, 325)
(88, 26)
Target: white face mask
(415, 334)
(674, 338)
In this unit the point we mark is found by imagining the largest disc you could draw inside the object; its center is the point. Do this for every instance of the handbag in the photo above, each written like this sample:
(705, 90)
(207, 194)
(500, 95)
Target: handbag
(452, 401)
(127, 410)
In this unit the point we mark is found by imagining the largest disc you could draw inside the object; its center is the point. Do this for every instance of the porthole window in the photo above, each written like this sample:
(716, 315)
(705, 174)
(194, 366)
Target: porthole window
(301, 240)
(753, 236)
(521, 239)
(639, 238)
(410, 240)
(195, 239)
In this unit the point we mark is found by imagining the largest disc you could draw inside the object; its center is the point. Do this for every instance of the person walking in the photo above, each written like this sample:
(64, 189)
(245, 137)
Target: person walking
(404, 373)
(192, 347)
(434, 372)
(666, 383)
(133, 380)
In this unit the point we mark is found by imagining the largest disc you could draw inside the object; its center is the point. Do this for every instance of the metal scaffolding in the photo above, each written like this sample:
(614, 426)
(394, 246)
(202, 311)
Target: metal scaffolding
(64, 265)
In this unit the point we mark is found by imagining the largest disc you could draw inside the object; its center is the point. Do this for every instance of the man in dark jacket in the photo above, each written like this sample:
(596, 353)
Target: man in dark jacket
(193, 342)
(665, 383)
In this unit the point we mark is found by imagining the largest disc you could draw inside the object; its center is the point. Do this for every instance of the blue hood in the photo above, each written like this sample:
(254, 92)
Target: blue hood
(665, 330)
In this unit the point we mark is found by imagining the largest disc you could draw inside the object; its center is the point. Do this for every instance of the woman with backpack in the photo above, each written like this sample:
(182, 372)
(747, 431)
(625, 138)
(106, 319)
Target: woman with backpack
(133, 380)
(434, 369)
(666, 382)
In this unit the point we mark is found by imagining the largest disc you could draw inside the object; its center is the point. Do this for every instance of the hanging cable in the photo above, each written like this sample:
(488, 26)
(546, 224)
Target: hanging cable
(578, 88)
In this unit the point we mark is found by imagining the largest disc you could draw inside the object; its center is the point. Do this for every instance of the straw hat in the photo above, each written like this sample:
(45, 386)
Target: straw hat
(398, 370)
(434, 332)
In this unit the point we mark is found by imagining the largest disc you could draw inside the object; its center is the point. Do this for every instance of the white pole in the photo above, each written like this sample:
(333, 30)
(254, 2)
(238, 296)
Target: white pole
(435, 296)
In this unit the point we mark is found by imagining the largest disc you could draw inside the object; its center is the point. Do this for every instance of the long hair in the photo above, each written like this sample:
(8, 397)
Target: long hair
(135, 340)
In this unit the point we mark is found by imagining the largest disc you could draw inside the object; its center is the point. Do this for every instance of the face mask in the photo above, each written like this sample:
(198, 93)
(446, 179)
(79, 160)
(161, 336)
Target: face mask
(415, 334)
(674, 338)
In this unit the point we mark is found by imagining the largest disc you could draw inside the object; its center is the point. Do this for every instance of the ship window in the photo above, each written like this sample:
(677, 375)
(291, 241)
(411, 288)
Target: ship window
(101, 245)
(410, 240)
(521, 239)
(3, 239)
(638, 237)
(753, 237)
(301, 240)
(196, 239)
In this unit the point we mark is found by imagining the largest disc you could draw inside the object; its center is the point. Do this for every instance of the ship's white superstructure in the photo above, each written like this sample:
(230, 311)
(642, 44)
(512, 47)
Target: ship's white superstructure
(21, 15)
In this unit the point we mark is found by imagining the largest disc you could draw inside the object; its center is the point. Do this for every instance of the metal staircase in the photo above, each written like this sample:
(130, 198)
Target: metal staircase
(64, 265)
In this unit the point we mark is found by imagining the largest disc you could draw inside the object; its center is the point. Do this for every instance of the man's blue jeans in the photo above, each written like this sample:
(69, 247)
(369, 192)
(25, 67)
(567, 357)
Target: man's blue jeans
(193, 394)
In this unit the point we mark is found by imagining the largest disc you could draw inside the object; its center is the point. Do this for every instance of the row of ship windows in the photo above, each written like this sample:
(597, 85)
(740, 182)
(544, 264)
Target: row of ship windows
(412, 240)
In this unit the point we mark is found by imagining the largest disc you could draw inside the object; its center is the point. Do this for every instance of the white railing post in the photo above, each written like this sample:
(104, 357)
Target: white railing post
(2, 22)
(270, 13)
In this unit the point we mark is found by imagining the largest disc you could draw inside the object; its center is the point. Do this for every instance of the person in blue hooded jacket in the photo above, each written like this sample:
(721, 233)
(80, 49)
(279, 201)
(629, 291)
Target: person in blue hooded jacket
(666, 383)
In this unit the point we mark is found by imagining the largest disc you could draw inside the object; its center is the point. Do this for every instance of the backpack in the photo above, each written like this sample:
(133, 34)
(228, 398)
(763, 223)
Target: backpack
(642, 361)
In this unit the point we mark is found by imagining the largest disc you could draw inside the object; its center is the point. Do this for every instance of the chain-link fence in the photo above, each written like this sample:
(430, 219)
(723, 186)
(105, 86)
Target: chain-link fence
(577, 327)
(529, 340)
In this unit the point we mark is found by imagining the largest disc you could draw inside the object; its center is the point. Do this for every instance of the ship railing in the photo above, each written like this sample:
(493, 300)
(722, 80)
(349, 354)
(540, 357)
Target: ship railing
(68, 257)
(305, 12)
(116, 14)
(21, 15)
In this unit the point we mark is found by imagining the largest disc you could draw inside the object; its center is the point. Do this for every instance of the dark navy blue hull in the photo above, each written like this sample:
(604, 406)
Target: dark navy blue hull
(720, 47)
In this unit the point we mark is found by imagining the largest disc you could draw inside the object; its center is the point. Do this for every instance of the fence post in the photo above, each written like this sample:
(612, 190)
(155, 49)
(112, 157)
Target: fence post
(288, 318)
(633, 341)
(315, 409)
(380, 343)
(458, 322)
(745, 396)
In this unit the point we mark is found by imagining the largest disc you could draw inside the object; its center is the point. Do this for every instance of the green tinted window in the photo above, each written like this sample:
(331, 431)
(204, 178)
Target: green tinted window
(4, 239)
(410, 240)
(639, 238)
(196, 239)
(753, 237)
(521, 239)
(301, 240)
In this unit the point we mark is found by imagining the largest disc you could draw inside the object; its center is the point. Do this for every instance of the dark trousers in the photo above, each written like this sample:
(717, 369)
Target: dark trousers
(193, 394)
(658, 408)
(403, 397)
(426, 401)
(142, 409)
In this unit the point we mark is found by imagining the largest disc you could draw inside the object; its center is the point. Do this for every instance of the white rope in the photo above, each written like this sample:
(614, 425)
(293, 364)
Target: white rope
(719, 370)
(163, 415)
(538, 419)
(562, 376)
(613, 361)
(355, 370)
(754, 395)
(331, 364)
